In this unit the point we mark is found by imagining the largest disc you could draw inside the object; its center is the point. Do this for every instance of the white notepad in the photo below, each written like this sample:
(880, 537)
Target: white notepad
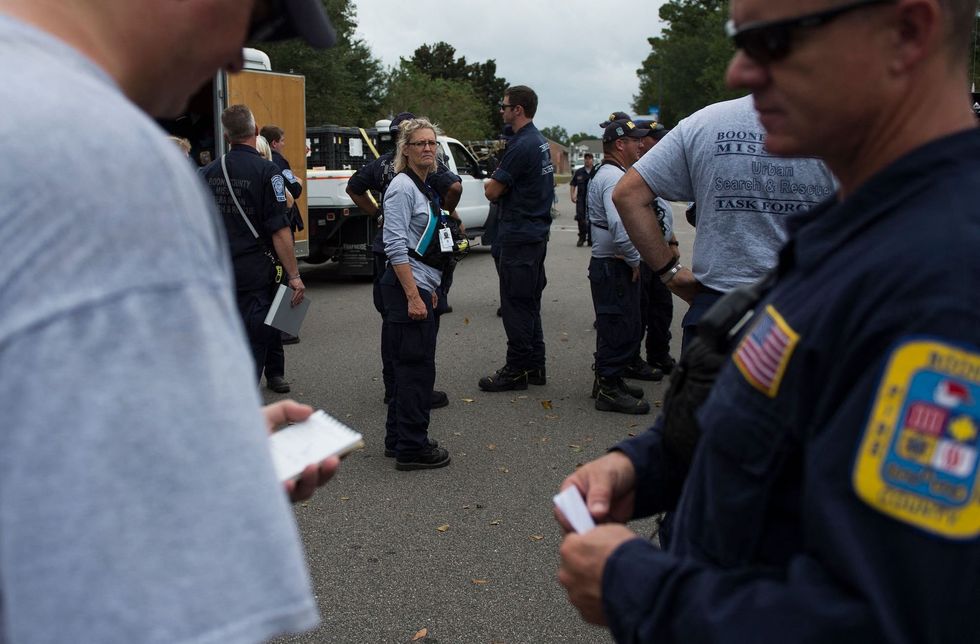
(316, 438)
(282, 315)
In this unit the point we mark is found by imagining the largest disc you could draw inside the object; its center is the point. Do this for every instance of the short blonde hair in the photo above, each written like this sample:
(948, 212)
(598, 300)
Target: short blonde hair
(405, 132)
(263, 147)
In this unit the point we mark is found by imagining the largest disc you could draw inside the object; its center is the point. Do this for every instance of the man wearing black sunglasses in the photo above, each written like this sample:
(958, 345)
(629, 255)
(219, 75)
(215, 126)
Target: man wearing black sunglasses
(523, 185)
(834, 492)
(134, 395)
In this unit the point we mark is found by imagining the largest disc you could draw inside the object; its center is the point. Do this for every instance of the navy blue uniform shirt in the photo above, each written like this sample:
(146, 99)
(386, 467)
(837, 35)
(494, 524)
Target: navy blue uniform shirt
(292, 184)
(261, 191)
(833, 496)
(377, 174)
(527, 171)
(581, 182)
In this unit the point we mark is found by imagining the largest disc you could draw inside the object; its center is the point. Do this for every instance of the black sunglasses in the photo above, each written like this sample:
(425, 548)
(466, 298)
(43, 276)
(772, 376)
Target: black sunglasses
(503, 106)
(767, 42)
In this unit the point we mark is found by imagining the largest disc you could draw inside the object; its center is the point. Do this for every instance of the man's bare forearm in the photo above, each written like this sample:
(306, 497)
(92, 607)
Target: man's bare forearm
(634, 202)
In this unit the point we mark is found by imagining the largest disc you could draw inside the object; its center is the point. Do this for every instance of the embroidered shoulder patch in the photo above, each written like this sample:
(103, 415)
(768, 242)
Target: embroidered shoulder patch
(279, 187)
(918, 458)
(764, 352)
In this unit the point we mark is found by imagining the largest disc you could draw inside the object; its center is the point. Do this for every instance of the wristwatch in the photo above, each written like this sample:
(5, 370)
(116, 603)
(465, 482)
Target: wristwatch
(669, 275)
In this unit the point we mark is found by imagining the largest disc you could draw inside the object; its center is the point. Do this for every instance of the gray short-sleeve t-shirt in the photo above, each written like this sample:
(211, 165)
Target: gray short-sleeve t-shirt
(138, 502)
(717, 158)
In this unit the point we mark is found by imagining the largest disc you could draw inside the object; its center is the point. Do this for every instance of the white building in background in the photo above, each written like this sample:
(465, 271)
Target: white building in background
(577, 152)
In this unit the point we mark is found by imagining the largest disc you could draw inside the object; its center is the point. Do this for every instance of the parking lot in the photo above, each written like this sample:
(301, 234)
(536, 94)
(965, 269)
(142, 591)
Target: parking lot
(468, 552)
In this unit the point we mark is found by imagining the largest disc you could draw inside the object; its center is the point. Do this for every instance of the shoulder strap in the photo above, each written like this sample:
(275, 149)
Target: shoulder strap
(231, 191)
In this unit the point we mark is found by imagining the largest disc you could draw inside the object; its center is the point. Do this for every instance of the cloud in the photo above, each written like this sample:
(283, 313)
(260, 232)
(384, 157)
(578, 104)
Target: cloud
(580, 56)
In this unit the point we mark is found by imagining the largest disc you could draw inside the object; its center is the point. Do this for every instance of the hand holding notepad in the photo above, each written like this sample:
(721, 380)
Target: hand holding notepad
(318, 437)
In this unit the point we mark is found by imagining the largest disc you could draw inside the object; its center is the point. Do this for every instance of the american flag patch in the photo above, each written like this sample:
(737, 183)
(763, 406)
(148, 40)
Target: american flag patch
(764, 352)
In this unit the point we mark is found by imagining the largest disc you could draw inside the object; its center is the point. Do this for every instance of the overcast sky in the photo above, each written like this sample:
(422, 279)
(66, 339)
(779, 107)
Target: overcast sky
(579, 56)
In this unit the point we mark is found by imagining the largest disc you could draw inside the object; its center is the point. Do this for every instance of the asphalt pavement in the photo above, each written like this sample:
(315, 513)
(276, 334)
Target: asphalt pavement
(469, 553)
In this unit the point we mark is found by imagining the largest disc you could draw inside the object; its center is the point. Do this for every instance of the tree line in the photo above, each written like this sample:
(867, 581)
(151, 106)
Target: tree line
(349, 86)
(684, 71)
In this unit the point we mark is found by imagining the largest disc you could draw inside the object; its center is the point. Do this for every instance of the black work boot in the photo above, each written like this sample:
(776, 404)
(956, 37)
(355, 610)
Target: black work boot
(506, 379)
(611, 397)
(640, 370)
(431, 458)
(664, 363)
(627, 388)
(537, 376)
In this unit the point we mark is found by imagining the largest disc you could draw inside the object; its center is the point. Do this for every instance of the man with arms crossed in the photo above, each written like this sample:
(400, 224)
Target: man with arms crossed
(523, 183)
(139, 499)
(833, 494)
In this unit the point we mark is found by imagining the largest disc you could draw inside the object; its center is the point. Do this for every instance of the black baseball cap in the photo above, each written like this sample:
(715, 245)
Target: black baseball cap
(656, 130)
(615, 116)
(622, 128)
(400, 118)
(284, 19)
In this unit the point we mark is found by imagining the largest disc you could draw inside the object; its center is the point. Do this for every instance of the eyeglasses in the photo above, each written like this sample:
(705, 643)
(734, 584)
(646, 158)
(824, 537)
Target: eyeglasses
(504, 106)
(768, 42)
(421, 145)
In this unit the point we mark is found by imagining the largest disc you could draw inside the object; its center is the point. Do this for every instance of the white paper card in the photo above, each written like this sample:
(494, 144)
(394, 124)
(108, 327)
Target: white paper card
(571, 505)
(445, 240)
(316, 438)
(355, 147)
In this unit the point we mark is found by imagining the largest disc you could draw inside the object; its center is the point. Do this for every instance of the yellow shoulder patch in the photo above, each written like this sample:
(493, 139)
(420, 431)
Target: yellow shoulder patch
(918, 458)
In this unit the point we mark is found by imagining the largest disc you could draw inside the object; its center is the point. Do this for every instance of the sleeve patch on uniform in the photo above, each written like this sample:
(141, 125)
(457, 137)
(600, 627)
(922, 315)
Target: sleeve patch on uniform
(918, 457)
(279, 187)
(763, 354)
(290, 177)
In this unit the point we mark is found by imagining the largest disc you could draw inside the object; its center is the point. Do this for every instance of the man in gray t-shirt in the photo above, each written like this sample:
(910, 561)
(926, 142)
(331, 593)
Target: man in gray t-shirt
(717, 158)
(139, 502)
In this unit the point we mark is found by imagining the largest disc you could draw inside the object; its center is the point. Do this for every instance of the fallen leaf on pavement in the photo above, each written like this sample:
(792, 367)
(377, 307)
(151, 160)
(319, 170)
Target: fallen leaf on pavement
(345, 498)
(467, 400)
(495, 522)
(422, 633)
(536, 537)
(504, 470)
(480, 582)
(546, 404)
(658, 403)
(491, 446)
(522, 397)
(466, 320)
(443, 528)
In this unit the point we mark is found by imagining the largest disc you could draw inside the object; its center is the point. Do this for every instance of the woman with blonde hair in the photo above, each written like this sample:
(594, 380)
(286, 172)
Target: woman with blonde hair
(408, 291)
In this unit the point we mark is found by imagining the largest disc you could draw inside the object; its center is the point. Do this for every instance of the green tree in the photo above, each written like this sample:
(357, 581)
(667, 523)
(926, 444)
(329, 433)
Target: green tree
(344, 84)
(451, 104)
(439, 61)
(685, 69)
(556, 133)
(581, 136)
